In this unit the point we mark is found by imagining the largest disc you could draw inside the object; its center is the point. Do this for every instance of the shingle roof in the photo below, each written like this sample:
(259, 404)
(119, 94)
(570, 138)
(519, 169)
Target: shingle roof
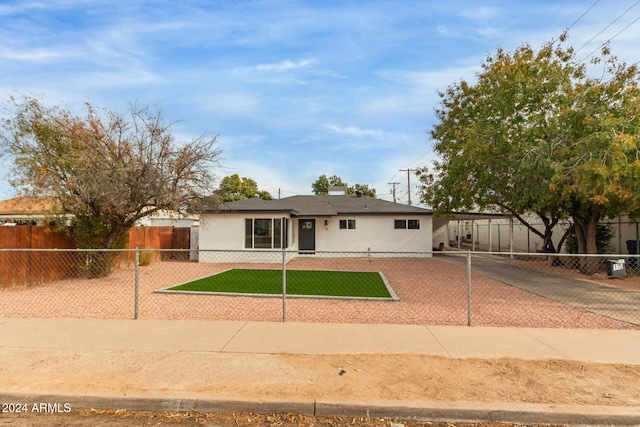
(25, 206)
(323, 205)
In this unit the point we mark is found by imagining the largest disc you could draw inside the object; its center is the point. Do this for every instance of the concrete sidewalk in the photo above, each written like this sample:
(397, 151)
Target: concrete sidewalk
(50, 345)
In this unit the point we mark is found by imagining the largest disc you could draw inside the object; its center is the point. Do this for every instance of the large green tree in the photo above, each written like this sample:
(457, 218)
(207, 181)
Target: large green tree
(233, 188)
(104, 169)
(597, 169)
(494, 138)
(322, 184)
(536, 134)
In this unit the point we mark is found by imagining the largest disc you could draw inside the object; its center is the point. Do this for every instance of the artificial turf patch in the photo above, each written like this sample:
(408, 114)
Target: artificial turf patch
(299, 282)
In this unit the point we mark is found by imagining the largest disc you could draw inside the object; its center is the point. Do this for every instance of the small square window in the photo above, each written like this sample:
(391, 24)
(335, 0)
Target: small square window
(400, 224)
(413, 224)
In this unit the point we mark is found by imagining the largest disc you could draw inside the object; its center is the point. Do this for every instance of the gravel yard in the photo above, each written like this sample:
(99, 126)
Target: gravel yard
(431, 291)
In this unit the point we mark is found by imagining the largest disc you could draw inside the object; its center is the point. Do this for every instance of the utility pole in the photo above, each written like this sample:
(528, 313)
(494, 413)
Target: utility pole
(408, 181)
(394, 190)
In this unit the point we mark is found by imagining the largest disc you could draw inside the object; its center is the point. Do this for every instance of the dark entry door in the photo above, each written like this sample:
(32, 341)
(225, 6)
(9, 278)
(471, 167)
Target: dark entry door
(307, 235)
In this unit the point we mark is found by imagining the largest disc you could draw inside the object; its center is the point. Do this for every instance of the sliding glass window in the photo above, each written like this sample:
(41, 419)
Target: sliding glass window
(264, 233)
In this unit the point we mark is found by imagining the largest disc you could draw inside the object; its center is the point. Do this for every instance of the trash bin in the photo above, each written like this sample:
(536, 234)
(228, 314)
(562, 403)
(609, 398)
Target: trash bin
(632, 248)
(615, 268)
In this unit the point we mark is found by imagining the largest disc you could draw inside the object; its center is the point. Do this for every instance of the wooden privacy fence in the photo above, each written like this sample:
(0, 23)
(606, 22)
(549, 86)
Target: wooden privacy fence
(158, 238)
(25, 267)
(30, 266)
(34, 237)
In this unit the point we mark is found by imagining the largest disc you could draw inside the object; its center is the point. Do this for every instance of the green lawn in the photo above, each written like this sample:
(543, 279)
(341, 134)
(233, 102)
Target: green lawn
(299, 282)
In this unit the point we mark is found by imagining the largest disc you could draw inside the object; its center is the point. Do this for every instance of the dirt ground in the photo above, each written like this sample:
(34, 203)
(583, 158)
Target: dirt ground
(116, 418)
(372, 378)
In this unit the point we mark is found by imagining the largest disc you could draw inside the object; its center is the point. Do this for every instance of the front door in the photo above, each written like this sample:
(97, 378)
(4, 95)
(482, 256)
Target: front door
(307, 235)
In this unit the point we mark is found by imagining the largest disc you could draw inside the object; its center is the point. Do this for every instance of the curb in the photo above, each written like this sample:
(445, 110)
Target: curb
(459, 411)
(462, 411)
(58, 402)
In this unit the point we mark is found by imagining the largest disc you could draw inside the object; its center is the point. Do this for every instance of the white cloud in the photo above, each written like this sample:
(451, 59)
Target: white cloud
(272, 178)
(279, 67)
(445, 30)
(481, 13)
(122, 78)
(284, 66)
(355, 131)
(488, 31)
(228, 104)
(238, 145)
(28, 55)
(23, 7)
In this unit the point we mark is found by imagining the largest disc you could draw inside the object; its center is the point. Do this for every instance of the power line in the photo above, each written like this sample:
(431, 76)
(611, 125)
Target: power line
(616, 35)
(394, 190)
(408, 182)
(398, 195)
(401, 195)
(582, 16)
(610, 24)
(427, 153)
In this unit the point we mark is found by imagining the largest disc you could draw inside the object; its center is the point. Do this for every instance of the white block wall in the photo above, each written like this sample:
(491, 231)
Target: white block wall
(372, 233)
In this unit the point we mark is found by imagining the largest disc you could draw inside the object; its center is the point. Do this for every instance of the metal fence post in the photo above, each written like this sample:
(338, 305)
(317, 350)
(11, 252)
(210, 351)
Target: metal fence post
(468, 288)
(284, 286)
(137, 285)
(511, 242)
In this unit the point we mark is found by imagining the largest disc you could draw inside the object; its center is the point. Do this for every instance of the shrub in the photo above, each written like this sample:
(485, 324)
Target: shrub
(146, 258)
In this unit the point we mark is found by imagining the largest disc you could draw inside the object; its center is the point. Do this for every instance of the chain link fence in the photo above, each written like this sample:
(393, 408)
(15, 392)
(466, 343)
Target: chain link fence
(439, 288)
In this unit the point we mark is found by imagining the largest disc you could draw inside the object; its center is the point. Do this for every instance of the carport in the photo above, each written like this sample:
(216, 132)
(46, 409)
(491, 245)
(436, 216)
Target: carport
(467, 226)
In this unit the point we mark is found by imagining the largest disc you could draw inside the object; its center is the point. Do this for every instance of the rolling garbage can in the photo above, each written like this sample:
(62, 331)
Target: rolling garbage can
(615, 268)
(632, 248)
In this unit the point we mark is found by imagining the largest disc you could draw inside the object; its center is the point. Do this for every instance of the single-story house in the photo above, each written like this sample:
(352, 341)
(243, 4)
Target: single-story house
(24, 211)
(167, 218)
(29, 211)
(314, 225)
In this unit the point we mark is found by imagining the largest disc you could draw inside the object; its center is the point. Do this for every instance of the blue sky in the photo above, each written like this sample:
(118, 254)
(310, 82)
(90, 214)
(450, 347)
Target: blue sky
(294, 89)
